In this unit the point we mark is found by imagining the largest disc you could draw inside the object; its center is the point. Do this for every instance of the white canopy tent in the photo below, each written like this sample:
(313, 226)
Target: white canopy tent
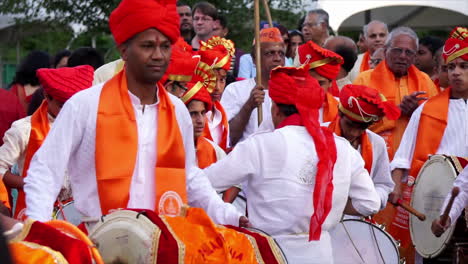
(431, 14)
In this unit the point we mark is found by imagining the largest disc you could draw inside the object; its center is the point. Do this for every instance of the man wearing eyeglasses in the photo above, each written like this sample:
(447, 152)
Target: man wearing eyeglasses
(315, 26)
(204, 16)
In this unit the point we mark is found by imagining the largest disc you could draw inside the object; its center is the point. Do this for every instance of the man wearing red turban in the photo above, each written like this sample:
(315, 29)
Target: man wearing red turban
(324, 66)
(299, 176)
(26, 135)
(127, 143)
(436, 127)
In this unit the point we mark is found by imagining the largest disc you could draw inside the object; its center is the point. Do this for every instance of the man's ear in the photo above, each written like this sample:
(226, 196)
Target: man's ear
(123, 50)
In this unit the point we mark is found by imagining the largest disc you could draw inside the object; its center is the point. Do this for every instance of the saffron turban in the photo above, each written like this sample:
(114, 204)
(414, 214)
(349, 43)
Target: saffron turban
(364, 104)
(456, 45)
(216, 53)
(182, 64)
(63, 83)
(134, 16)
(325, 62)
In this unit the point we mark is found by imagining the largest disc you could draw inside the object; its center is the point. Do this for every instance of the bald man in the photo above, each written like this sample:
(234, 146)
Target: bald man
(346, 48)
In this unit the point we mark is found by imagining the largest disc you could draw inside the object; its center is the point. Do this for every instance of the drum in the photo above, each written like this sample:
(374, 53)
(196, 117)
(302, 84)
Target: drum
(434, 182)
(66, 211)
(126, 236)
(358, 241)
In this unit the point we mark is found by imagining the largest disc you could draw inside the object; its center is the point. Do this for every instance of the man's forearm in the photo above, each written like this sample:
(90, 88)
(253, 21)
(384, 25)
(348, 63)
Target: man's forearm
(12, 180)
(238, 123)
(397, 175)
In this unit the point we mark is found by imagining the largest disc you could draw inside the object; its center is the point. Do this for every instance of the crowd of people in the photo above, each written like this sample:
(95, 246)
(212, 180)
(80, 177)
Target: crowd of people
(335, 127)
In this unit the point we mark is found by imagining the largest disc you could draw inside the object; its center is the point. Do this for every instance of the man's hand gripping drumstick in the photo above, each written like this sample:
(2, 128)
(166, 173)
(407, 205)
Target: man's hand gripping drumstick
(440, 225)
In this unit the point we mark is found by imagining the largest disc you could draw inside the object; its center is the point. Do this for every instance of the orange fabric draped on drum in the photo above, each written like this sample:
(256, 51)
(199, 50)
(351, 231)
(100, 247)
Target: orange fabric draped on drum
(330, 108)
(206, 154)
(27, 253)
(382, 79)
(39, 129)
(365, 62)
(224, 121)
(116, 149)
(366, 145)
(434, 119)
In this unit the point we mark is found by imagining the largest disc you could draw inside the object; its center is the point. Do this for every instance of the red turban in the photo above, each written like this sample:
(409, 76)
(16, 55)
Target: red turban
(363, 104)
(325, 62)
(294, 86)
(134, 16)
(457, 45)
(217, 53)
(197, 91)
(63, 83)
(182, 64)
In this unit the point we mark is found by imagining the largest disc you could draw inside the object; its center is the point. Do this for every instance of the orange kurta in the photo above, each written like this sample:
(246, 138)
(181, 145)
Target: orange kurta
(394, 89)
(116, 150)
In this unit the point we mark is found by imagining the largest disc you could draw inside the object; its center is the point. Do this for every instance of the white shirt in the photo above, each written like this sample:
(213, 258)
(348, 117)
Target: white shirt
(246, 67)
(71, 145)
(107, 71)
(279, 170)
(342, 82)
(215, 124)
(454, 141)
(236, 95)
(461, 201)
(356, 68)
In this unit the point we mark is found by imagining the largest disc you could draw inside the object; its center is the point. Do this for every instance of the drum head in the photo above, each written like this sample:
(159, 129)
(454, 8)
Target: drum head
(126, 236)
(68, 213)
(357, 241)
(434, 182)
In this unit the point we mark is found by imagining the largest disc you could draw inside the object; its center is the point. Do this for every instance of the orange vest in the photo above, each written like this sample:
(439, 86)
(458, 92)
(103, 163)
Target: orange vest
(225, 123)
(365, 62)
(39, 129)
(330, 108)
(366, 145)
(116, 150)
(206, 154)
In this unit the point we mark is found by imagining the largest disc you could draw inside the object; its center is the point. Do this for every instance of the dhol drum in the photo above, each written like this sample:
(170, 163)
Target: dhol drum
(66, 211)
(434, 182)
(358, 241)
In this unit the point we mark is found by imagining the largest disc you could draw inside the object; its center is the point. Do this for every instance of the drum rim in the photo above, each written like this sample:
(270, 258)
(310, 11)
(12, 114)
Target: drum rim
(412, 218)
(258, 230)
(58, 209)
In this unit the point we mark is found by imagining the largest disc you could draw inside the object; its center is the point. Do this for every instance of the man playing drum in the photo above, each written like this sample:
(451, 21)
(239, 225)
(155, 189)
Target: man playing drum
(127, 143)
(285, 168)
(436, 127)
(361, 106)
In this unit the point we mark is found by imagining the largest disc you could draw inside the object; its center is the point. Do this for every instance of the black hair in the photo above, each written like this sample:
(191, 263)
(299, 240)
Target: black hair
(5, 255)
(36, 101)
(295, 32)
(206, 9)
(349, 56)
(287, 110)
(431, 43)
(180, 3)
(26, 73)
(222, 21)
(86, 56)
(58, 57)
(300, 23)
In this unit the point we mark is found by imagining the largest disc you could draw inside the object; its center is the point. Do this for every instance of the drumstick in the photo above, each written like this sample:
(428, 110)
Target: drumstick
(445, 215)
(411, 210)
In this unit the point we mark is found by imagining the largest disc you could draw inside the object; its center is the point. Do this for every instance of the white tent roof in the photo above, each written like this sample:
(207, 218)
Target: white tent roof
(345, 14)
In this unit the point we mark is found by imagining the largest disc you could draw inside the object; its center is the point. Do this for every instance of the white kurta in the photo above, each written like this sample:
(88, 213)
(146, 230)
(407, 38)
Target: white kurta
(454, 141)
(353, 74)
(236, 95)
(215, 124)
(279, 170)
(71, 145)
(461, 201)
(107, 71)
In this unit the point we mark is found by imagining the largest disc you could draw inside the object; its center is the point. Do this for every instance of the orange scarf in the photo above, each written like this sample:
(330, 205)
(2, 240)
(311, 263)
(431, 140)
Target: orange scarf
(225, 123)
(39, 129)
(392, 130)
(330, 108)
(116, 150)
(206, 154)
(365, 62)
(366, 145)
(4, 197)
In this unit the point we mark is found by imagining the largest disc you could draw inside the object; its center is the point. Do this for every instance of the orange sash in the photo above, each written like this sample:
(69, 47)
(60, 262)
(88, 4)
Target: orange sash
(39, 129)
(330, 108)
(206, 154)
(383, 80)
(365, 62)
(225, 123)
(116, 150)
(366, 145)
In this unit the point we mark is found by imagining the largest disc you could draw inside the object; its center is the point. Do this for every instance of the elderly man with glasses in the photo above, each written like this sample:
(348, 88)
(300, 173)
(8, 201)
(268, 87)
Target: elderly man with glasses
(315, 26)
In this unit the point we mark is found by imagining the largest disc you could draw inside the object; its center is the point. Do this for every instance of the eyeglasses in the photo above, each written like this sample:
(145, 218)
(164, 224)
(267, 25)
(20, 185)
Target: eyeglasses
(309, 25)
(399, 51)
(203, 18)
(375, 61)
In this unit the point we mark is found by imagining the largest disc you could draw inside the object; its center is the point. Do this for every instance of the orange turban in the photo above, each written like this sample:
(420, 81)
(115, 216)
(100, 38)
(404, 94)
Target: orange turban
(271, 35)
(134, 16)
(325, 62)
(182, 64)
(364, 104)
(216, 53)
(63, 83)
(457, 45)
(197, 91)
(294, 86)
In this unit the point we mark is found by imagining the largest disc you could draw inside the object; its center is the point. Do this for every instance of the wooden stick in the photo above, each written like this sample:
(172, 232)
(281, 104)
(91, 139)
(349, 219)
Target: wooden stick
(267, 11)
(445, 215)
(411, 210)
(258, 54)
